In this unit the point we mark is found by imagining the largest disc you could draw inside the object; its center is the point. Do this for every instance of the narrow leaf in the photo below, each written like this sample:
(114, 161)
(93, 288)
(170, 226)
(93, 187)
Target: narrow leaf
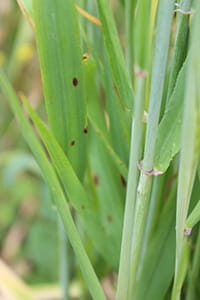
(114, 50)
(58, 42)
(194, 217)
(87, 208)
(58, 195)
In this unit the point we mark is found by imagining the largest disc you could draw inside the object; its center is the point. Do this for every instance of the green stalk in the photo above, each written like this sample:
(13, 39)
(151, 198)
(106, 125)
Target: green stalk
(56, 190)
(135, 154)
(141, 60)
(165, 13)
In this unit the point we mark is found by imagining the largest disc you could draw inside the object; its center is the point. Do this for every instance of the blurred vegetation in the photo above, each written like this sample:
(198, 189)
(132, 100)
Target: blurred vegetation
(88, 183)
(30, 241)
(27, 218)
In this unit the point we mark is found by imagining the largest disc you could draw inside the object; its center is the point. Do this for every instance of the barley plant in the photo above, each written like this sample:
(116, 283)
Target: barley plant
(116, 137)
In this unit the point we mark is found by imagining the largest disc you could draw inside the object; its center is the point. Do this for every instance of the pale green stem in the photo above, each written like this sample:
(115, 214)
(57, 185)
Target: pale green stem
(165, 13)
(135, 154)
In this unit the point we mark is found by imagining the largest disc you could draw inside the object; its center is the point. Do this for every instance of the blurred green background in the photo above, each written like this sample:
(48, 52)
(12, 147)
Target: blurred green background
(30, 242)
(27, 218)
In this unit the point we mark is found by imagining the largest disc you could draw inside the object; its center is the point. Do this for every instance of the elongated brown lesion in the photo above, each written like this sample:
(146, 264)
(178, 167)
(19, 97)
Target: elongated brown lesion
(75, 81)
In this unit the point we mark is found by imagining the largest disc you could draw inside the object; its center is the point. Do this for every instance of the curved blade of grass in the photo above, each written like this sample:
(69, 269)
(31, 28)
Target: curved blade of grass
(115, 54)
(58, 42)
(87, 208)
(73, 188)
(58, 195)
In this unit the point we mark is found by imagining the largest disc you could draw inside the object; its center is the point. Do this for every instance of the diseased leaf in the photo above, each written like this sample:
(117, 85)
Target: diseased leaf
(88, 209)
(59, 49)
(96, 114)
(56, 190)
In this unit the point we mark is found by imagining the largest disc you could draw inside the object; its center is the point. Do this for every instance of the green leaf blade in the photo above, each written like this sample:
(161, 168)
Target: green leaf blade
(58, 42)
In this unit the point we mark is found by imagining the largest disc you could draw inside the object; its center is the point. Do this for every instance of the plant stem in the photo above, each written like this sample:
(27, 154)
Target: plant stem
(165, 13)
(135, 153)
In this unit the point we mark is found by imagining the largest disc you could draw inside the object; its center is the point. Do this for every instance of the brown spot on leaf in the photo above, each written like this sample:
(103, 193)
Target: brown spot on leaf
(109, 218)
(72, 143)
(75, 81)
(85, 130)
(84, 57)
(123, 180)
(83, 207)
(96, 179)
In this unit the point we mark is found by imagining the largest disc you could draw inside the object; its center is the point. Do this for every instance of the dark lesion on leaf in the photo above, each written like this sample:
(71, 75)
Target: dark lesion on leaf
(72, 143)
(75, 81)
(123, 180)
(96, 179)
(85, 130)
(84, 57)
